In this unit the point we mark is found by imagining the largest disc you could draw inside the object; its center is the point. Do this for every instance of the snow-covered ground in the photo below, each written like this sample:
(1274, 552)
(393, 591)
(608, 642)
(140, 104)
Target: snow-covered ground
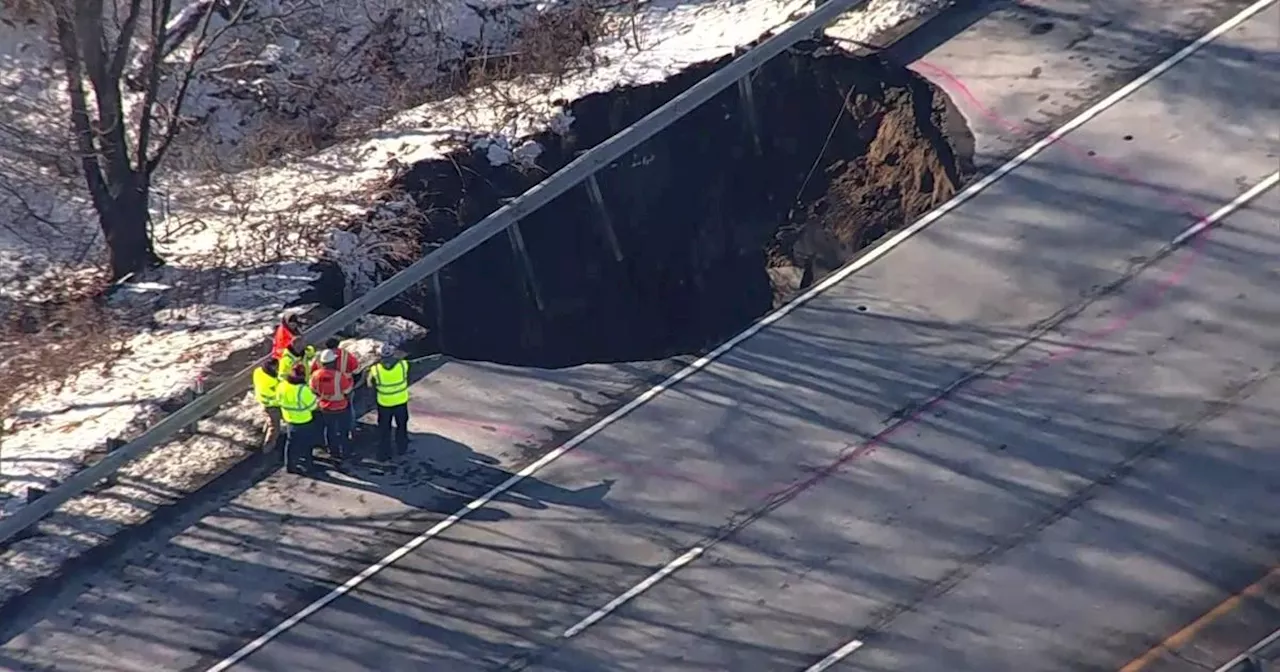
(236, 221)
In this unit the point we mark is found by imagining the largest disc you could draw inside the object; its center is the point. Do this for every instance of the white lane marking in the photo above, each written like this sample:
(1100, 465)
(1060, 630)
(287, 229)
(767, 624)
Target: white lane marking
(689, 556)
(873, 253)
(836, 656)
(1203, 223)
(1217, 216)
(1256, 648)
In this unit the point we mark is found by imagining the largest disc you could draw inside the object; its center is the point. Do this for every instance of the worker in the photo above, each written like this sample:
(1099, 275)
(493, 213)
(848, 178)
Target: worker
(296, 354)
(265, 381)
(389, 378)
(298, 404)
(289, 329)
(348, 364)
(333, 387)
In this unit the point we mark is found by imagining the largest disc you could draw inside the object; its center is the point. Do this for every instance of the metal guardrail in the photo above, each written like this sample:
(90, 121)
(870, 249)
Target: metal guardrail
(1258, 658)
(500, 220)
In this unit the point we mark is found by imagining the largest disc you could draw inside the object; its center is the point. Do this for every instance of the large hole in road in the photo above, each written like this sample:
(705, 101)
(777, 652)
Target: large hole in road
(717, 219)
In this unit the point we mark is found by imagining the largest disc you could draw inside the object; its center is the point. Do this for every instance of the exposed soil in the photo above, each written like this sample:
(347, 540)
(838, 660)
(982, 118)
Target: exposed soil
(713, 231)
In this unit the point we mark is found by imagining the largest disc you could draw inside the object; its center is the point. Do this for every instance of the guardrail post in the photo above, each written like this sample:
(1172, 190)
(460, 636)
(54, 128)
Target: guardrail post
(820, 30)
(437, 297)
(749, 105)
(606, 224)
(517, 247)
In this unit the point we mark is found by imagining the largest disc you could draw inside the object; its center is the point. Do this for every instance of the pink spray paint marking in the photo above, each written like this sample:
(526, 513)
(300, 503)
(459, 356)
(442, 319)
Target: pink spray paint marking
(959, 90)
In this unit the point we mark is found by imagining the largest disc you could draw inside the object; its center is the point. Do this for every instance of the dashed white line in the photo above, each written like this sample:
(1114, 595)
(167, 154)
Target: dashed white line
(688, 557)
(836, 656)
(1218, 215)
(873, 253)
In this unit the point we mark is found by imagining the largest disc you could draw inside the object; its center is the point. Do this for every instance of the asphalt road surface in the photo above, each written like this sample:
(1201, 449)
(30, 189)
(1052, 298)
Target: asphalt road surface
(1032, 437)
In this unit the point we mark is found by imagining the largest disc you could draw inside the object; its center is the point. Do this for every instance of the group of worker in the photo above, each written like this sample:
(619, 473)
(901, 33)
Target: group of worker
(306, 395)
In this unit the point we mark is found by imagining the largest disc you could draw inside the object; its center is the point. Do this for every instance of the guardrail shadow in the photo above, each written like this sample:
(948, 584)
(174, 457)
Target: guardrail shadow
(443, 475)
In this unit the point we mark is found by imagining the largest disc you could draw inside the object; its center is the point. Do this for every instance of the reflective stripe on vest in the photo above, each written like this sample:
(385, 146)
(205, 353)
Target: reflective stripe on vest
(264, 387)
(330, 379)
(296, 403)
(392, 384)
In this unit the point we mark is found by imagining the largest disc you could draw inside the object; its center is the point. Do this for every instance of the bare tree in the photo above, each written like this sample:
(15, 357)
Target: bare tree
(120, 146)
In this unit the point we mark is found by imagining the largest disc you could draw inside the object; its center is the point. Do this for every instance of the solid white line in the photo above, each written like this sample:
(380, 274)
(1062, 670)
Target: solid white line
(835, 657)
(874, 252)
(1217, 216)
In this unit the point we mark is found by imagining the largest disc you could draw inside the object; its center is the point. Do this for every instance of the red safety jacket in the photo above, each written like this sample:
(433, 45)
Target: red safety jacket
(282, 340)
(347, 363)
(332, 387)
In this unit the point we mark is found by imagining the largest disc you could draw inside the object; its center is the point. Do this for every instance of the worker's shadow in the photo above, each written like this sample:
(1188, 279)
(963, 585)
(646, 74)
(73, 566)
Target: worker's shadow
(442, 475)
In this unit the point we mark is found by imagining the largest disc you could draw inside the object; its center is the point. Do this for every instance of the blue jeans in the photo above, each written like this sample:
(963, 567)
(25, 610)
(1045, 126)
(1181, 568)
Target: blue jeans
(299, 441)
(337, 432)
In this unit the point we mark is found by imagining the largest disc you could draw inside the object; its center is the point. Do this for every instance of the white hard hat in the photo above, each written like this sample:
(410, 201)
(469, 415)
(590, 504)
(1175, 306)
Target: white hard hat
(328, 356)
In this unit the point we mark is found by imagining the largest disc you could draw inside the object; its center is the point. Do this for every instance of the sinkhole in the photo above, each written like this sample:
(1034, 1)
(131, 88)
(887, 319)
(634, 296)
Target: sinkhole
(710, 224)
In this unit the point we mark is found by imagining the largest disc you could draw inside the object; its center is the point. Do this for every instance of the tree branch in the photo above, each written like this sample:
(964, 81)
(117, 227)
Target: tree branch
(124, 40)
(159, 34)
(113, 141)
(28, 208)
(201, 47)
(81, 128)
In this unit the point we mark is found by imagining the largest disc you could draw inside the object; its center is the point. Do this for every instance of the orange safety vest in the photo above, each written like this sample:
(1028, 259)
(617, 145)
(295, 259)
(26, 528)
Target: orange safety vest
(332, 387)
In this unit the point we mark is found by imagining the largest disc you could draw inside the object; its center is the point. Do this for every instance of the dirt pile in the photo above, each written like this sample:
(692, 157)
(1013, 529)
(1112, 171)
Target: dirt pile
(716, 219)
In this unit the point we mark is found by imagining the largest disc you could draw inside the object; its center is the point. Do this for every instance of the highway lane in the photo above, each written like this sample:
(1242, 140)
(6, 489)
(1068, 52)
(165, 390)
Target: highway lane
(809, 391)
(510, 581)
(1062, 524)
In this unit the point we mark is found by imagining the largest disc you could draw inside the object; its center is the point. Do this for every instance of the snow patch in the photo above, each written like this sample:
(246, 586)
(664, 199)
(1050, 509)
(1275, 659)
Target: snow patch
(561, 122)
(877, 16)
(500, 152)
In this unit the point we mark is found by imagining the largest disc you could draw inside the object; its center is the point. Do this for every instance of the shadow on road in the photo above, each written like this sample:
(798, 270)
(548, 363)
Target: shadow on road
(443, 475)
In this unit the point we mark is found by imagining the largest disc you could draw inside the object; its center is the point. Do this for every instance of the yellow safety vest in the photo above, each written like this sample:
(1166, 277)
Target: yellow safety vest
(288, 361)
(264, 387)
(391, 384)
(297, 403)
